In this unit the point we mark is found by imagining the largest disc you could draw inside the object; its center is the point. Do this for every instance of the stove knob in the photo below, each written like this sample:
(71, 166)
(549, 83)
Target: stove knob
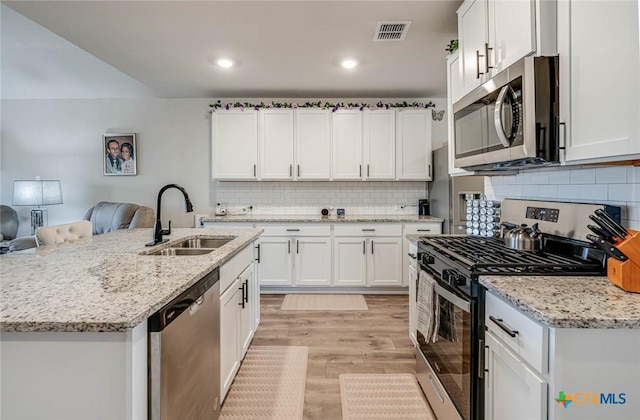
(427, 259)
(460, 280)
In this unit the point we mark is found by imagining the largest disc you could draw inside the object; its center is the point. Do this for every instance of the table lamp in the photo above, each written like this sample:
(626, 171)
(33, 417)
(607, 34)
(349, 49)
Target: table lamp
(37, 193)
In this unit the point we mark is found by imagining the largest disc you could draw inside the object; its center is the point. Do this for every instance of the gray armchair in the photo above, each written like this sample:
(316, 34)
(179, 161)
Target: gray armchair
(9, 230)
(8, 223)
(107, 217)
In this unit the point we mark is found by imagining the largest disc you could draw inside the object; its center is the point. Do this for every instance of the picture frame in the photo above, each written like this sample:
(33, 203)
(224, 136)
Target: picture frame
(120, 154)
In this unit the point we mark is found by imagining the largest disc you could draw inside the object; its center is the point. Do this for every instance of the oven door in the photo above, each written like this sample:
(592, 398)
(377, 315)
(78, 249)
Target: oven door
(450, 355)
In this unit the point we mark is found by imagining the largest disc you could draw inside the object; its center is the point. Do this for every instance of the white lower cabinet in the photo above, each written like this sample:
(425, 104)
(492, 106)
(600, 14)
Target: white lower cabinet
(513, 390)
(422, 229)
(374, 258)
(529, 367)
(238, 303)
(295, 255)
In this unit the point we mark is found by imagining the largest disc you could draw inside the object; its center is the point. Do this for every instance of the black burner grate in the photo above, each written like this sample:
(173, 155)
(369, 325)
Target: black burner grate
(491, 255)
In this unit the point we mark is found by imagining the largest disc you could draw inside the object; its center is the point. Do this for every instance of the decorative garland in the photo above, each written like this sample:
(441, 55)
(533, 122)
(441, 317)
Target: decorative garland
(319, 104)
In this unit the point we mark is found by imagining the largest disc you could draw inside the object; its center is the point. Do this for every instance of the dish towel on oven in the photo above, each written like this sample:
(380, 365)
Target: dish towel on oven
(428, 307)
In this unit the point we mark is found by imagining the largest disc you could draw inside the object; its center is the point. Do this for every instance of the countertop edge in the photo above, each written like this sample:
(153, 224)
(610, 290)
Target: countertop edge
(131, 323)
(545, 319)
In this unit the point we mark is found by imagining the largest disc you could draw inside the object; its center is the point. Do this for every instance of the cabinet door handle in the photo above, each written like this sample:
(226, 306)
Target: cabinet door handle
(360, 171)
(371, 247)
(478, 72)
(242, 300)
(486, 55)
(289, 246)
(364, 247)
(298, 170)
(424, 230)
(290, 170)
(367, 170)
(500, 323)
(297, 246)
(564, 135)
(246, 293)
(254, 169)
(429, 170)
(368, 230)
(258, 259)
(293, 230)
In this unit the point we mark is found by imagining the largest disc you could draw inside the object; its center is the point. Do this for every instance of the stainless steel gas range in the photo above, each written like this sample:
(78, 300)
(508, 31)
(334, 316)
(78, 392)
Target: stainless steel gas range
(450, 360)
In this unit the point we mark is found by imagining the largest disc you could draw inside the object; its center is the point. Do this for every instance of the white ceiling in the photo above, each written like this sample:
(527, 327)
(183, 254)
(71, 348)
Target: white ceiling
(282, 48)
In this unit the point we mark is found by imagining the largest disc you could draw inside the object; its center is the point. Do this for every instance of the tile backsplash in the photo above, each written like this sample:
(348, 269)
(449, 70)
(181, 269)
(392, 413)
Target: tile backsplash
(370, 197)
(614, 185)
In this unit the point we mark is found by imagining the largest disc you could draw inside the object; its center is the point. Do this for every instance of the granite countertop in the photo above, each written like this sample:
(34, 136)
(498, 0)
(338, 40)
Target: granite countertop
(568, 301)
(298, 218)
(103, 283)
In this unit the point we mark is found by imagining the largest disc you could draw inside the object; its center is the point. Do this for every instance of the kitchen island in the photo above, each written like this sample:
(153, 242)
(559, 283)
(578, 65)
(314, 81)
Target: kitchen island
(73, 320)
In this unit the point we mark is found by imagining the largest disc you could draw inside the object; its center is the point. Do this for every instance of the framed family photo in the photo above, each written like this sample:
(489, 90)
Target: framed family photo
(120, 154)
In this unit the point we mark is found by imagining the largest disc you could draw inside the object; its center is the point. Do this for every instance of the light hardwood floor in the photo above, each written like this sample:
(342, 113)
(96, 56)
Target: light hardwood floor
(373, 341)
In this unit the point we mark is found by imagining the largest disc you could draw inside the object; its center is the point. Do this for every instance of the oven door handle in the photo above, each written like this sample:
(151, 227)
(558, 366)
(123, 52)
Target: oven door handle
(459, 302)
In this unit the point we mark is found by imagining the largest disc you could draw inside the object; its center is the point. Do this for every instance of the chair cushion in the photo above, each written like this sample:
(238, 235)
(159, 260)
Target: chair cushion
(107, 217)
(51, 235)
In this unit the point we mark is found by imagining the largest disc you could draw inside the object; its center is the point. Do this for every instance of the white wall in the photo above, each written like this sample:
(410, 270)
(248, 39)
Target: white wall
(614, 185)
(62, 139)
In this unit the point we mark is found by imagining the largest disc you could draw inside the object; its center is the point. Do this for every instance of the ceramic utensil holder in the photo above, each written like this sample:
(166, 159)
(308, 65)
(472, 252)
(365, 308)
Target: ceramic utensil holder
(626, 274)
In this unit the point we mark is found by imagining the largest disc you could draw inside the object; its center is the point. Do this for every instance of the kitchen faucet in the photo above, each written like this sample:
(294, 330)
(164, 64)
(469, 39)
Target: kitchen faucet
(157, 228)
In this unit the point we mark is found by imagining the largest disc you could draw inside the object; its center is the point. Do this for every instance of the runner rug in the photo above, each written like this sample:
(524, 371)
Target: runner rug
(317, 302)
(383, 397)
(269, 385)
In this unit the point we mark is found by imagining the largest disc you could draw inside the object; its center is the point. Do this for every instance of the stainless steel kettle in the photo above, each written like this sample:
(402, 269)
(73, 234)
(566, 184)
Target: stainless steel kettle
(521, 237)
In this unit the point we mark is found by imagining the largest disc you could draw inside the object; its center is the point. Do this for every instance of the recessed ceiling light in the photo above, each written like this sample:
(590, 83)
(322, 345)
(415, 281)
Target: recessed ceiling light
(349, 63)
(225, 63)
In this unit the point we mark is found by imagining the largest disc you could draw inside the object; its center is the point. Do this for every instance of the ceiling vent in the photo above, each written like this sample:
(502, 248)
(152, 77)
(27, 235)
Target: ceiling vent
(392, 31)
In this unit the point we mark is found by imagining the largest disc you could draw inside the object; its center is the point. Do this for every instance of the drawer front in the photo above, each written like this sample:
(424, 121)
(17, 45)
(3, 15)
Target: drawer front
(434, 228)
(359, 229)
(231, 269)
(517, 331)
(295, 230)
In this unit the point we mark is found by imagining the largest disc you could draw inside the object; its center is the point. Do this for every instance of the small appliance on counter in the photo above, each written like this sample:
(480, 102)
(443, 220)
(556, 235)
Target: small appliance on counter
(423, 208)
(220, 211)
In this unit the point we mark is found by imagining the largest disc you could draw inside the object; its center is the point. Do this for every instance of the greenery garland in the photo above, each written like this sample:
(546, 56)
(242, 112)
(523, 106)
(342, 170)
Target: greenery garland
(319, 104)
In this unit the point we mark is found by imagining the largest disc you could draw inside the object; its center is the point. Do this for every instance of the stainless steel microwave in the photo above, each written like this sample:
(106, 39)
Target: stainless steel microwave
(510, 121)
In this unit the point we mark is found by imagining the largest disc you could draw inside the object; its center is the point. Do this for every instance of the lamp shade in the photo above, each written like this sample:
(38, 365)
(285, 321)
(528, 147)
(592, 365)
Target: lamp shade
(36, 193)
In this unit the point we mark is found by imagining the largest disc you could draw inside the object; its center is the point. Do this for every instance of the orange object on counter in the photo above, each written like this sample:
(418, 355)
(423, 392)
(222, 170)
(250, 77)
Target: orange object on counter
(626, 274)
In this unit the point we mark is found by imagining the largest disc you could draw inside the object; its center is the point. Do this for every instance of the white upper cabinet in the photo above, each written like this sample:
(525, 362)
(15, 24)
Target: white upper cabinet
(276, 144)
(600, 79)
(313, 144)
(472, 39)
(493, 34)
(379, 146)
(234, 137)
(511, 34)
(413, 144)
(347, 144)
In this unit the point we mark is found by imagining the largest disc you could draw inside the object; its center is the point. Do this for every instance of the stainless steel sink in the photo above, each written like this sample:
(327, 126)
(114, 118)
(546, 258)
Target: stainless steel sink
(182, 251)
(202, 243)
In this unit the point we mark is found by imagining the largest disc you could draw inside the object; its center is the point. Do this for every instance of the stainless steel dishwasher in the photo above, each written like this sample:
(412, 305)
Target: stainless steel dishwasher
(184, 354)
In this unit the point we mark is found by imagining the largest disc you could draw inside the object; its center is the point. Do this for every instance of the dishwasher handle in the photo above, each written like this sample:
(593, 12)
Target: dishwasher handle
(172, 310)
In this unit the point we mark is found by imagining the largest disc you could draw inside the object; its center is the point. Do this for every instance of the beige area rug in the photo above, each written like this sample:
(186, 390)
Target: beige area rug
(316, 302)
(269, 385)
(383, 397)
